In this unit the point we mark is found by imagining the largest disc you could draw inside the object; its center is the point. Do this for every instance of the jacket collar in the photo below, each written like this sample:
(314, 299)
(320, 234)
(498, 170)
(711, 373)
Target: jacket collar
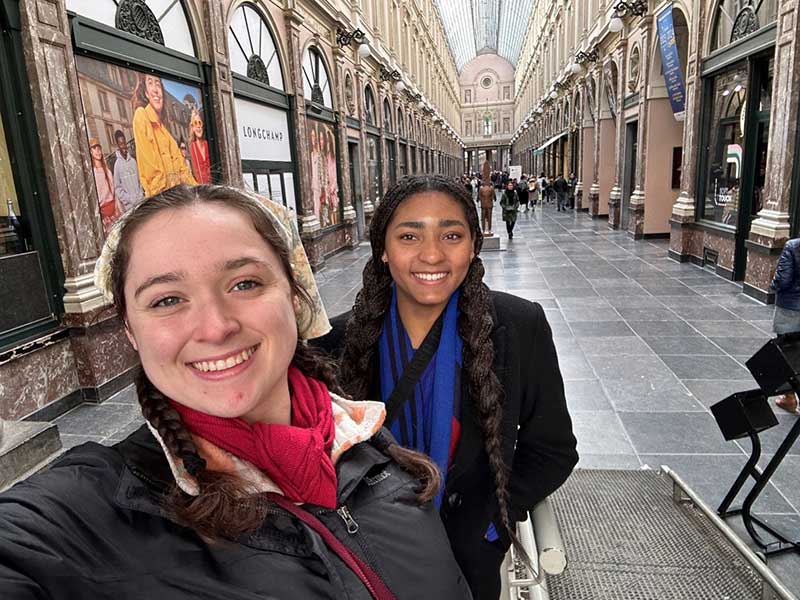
(355, 422)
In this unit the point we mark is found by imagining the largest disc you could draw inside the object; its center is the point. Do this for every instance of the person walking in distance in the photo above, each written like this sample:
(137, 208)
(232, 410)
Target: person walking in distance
(522, 192)
(786, 284)
(486, 196)
(561, 190)
(572, 182)
(510, 204)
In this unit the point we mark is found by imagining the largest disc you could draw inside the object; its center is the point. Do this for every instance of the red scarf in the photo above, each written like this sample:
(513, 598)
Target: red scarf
(296, 457)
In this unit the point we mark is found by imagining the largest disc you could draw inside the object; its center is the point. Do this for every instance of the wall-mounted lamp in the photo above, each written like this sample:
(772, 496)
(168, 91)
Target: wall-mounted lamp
(345, 38)
(635, 7)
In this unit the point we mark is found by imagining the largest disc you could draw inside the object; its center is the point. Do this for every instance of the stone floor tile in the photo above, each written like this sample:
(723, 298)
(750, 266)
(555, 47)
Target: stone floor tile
(711, 391)
(646, 314)
(600, 432)
(643, 300)
(614, 346)
(97, 420)
(704, 312)
(697, 345)
(586, 395)
(675, 433)
(625, 462)
(740, 346)
(690, 366)
(582, 314)
(600, 329)
(649, 329)
(727, 329)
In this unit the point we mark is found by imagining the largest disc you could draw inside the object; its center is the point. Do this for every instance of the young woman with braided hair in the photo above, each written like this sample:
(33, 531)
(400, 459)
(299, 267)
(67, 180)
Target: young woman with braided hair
(250, 478)
(469, 376)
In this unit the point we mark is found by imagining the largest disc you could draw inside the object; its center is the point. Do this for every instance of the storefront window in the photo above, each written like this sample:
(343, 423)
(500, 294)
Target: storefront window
(725, 131)
(375, 179)
(324, 172)
(316, 83)
(737, 19)
(12, 237)
(252, 48)
(161, 21)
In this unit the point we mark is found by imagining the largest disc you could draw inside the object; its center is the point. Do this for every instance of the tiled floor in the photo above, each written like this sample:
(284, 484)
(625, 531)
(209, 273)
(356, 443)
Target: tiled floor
(645, 345)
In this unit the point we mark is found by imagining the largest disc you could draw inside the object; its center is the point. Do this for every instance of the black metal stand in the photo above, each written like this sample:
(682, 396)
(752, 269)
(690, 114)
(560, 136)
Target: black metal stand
(762, 478)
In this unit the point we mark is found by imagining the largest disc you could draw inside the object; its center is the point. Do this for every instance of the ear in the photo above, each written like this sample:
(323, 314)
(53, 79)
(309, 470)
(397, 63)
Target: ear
(131, 339)
(385, 258)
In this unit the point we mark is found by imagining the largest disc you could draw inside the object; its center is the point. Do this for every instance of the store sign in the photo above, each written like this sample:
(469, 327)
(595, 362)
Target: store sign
(263, 132)
(673, 77)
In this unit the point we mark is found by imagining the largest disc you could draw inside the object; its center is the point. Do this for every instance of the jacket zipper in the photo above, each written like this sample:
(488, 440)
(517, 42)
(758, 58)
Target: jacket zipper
(349, 521)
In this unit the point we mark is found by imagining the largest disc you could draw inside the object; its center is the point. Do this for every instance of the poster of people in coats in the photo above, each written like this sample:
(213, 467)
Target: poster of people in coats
(145, 134)
(324, 173)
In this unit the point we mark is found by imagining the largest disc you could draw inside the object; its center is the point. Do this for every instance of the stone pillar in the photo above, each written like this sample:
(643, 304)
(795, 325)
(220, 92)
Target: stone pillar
(770, 230)
(343, 159)
(220, 89)
(636, 205)
(310, 229)
(615, 197)
(594, 191)
(360, 82)
(101, 352)
(683, 211)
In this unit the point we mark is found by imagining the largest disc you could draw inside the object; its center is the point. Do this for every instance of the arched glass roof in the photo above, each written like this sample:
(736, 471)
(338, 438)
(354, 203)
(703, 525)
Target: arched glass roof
(473, 26)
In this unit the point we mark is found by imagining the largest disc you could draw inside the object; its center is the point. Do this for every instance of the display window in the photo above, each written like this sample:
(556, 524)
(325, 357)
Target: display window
(261, 106)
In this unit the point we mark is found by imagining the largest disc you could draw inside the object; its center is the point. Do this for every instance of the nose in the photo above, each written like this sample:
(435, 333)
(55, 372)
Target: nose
(216, 321)
(431, 251)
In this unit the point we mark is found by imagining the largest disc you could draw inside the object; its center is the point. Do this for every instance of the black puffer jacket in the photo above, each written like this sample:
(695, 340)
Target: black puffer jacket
(91, 527)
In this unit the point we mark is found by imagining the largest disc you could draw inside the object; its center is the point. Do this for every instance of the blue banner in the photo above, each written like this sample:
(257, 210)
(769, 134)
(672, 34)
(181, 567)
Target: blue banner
(671, 64)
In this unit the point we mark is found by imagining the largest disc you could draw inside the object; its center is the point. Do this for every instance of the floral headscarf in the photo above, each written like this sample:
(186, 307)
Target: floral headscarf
(312, 321)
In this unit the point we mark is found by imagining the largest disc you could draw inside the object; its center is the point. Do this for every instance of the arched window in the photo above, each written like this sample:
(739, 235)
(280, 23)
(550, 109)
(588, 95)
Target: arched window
(252, 48)
(158, 21)
(316, 83)
(387, 116)
(736, 19)
(410, 128)
(370, 110)
(400, 123)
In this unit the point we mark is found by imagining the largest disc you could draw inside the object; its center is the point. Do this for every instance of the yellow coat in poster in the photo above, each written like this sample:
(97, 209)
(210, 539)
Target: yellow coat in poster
(160, 163)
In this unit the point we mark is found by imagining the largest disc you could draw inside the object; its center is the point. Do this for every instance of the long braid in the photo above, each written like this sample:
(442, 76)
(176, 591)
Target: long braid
(167, 422)
(474, 327)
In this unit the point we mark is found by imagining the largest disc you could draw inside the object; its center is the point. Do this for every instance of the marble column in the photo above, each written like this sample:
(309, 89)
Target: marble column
(343, 158)
(594, 191)
(615, 196)
(770, 230)
(683, 211)
(220, 89)
(361, 82)
(310, 229)
(102, 354)
(636, 204)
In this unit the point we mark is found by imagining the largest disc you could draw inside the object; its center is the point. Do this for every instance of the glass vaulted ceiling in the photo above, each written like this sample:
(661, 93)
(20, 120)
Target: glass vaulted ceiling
(475, 25)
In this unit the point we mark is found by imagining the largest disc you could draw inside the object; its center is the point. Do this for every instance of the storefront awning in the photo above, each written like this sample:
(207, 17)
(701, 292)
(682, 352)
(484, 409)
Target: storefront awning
(548, 143)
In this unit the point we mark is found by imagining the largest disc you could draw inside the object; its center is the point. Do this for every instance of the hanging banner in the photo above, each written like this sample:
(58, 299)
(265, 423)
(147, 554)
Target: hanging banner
(671, 64)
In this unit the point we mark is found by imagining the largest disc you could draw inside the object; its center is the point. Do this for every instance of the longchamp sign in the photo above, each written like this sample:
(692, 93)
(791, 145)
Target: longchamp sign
(263, 132)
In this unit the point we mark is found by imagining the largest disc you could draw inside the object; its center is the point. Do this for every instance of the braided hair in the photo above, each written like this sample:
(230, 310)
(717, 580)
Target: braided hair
(474, 324)
(226, 506)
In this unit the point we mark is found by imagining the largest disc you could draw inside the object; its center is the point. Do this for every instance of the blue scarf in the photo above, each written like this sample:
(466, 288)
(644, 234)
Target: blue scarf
(426, 421)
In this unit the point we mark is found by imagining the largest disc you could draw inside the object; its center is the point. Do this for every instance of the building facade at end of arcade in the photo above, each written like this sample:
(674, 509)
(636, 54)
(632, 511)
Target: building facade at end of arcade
(679, 119)
(318, 105)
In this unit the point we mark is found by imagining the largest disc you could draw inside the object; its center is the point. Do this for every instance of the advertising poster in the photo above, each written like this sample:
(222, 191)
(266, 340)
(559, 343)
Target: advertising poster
(324, 175)
(673, 76)
(146, 134)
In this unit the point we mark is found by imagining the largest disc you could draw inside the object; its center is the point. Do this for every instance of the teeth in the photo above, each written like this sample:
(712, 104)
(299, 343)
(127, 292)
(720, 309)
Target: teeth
(430, 276)
(221, 365)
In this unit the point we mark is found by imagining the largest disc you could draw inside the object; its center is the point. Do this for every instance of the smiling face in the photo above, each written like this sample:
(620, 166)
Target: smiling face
(428, 249)
(211, 312)
(153, 92)
(197, 128)
(97, 153)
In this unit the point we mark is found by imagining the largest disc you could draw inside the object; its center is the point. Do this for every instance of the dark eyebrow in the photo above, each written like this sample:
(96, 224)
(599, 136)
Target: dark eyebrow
(163, 278)
(410, 224)
(238, 263)
(451, 223)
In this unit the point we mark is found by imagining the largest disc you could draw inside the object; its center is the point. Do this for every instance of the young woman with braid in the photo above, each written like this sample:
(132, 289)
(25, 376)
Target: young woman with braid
(476, 373)
(250, 479)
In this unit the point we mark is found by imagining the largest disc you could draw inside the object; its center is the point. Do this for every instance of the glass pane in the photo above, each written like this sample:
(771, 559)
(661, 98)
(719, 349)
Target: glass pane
(249, 182)
(288, 184)
(275, 189)
(736, 19)
(12, 238)
(765, 87)
(262, 183)
(373, 170)
(725, 134)
(761, 167)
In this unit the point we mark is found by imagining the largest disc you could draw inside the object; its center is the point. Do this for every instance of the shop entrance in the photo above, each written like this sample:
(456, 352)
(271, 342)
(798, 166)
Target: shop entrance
(356, 197)
(629, 175)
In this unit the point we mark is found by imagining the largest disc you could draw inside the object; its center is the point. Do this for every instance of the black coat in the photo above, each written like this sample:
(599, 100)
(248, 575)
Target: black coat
(535, 418)
(91, 527)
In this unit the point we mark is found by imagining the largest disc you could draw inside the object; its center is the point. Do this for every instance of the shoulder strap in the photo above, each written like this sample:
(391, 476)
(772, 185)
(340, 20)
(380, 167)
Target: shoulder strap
(413, 371)
(371, 580)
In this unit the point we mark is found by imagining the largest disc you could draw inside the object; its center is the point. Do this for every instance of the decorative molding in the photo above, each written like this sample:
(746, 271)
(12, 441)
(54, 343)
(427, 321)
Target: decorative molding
(135, 17)
(81, 294)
